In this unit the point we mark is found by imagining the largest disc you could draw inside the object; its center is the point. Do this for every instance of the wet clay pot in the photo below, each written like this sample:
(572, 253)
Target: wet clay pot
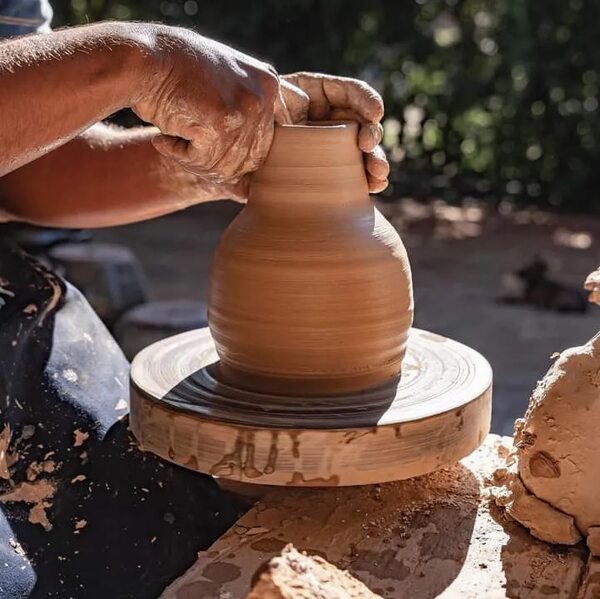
(311, 287)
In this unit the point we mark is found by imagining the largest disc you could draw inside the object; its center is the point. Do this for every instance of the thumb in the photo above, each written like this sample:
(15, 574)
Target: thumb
(239, 190)
(291, 104)
(172, 147)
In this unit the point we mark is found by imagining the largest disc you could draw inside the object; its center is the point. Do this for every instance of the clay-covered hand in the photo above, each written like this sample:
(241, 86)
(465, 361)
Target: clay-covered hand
(213, 105)
(318, 97)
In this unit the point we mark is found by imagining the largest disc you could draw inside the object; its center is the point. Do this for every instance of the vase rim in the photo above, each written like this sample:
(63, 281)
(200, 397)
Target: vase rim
(326, 125)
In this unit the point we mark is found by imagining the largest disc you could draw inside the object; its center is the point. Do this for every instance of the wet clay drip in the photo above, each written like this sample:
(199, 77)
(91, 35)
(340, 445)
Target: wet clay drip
(243, 459)
(311, 289)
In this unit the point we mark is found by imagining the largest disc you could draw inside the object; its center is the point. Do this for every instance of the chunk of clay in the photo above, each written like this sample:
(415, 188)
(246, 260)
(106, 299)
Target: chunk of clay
(542, 520)
(592, 284)
(557, 443)
(557, 453)
(590, 585)
(593, 540)
(294, 575)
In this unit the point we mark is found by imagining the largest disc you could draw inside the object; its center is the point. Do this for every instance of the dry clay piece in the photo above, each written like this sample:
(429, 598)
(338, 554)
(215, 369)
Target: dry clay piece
(543, 521)
(590, 583)
(592, 284)
(553, 486)
(311, 287)
(295, 575)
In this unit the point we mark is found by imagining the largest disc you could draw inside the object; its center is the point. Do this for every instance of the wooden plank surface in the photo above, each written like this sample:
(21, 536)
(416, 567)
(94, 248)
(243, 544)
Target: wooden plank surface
(434, 536)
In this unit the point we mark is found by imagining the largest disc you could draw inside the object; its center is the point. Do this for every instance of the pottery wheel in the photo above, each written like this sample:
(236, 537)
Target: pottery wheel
(438, 412)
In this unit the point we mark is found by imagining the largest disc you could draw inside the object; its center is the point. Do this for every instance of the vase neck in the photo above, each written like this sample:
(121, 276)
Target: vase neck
(312, 165)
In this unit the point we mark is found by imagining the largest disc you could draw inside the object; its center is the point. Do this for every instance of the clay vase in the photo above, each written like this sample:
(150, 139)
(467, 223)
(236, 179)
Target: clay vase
(311, 287)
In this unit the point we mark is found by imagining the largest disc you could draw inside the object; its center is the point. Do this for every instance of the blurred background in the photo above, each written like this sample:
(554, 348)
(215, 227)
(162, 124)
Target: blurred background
(492, 132)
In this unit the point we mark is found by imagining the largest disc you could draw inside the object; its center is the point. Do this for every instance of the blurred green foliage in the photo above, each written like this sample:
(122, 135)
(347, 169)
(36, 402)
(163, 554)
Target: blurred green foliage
(494, 99)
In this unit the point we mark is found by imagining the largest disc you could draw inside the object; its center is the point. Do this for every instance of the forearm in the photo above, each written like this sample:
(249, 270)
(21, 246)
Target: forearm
(64, 82)
(107, 176)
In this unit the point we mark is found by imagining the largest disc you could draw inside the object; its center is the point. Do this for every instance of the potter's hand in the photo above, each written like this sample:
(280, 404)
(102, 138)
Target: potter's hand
(213, 105)
(317, 97)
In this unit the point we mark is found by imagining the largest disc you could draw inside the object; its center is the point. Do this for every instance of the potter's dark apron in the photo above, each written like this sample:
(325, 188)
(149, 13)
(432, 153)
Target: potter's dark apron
(84, 512)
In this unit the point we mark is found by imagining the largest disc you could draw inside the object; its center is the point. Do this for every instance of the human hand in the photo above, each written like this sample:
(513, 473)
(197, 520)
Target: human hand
(318, 97)
(213, 105)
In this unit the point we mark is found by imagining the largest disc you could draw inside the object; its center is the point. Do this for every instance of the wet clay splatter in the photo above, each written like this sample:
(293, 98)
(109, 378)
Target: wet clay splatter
(37, 490)
(38, 494)
(80, 437)
(4, 457)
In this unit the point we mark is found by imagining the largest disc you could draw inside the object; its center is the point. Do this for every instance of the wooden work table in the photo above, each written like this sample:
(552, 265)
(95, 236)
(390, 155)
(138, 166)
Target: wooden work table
(438, 535)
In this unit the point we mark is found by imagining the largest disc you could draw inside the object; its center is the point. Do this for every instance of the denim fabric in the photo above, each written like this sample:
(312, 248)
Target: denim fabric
(20, 17)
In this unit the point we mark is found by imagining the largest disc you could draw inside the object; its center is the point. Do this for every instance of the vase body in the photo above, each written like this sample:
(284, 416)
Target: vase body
(311, 287)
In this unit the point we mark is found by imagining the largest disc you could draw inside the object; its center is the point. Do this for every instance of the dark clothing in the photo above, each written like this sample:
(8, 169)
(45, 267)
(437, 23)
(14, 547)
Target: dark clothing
(121, 523)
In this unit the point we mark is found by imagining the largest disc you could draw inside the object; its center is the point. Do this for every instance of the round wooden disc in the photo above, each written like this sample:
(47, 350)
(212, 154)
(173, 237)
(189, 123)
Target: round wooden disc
(438, 412)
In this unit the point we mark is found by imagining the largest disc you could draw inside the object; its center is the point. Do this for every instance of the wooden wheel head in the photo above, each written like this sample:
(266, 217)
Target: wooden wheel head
(438, 412)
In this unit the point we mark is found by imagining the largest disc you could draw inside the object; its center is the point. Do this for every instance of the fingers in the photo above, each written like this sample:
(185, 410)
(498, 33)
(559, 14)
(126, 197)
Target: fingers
(378, 169)
(328, 93)
(370, 136)
(343, 98)
(311, 84)
(220, 154)
(344, 114)
(291, 105)
(281, 112)
(252, 146)
(237, 189)
(376, 185)
(199, 158)
(356, 95)
(172, 147)
(376, 163)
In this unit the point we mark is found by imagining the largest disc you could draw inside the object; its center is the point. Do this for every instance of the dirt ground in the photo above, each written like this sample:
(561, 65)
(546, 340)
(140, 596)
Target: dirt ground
(460, 258)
